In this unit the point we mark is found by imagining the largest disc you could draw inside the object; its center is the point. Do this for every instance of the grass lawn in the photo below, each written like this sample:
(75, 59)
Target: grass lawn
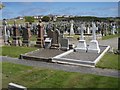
(109, 36)
(17, 21)
(15, 51)
(33, 77)
(110, 61)
(74, 36)
(32, 38)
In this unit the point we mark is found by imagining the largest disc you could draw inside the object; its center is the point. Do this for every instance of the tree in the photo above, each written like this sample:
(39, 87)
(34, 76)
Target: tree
(29, 19)
(46, 19)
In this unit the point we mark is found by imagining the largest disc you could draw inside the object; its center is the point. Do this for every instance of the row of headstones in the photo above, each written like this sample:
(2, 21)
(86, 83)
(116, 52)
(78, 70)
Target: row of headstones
(26, 33)
(42, 39)
(103, 28)
(54, 40)
(16, 35)
(70, 28)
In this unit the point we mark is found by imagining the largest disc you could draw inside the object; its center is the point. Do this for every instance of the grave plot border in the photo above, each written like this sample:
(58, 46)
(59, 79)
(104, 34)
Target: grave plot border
(60, 59)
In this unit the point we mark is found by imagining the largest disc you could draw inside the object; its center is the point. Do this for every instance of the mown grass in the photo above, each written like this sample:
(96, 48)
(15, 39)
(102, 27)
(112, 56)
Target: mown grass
(32, 77)
(15, 51)
(18, 21)
(32, 38)
(110, 61)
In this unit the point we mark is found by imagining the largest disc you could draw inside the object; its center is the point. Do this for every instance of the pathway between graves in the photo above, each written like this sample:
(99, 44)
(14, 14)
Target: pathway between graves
(69, 68)
(113, 42)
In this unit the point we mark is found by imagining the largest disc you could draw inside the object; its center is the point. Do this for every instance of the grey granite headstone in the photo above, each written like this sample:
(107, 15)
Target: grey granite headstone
(55, 39)
(64, 44)
(26, 35)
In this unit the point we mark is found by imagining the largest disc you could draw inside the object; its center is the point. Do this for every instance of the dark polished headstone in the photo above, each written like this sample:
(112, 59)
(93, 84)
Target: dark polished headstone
(40, 38)
(55, 39)
(26, 35)
(16, 35)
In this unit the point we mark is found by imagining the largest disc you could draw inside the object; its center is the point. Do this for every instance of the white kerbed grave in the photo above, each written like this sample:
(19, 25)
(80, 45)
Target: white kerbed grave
(94, 46)
(13, 86)
(81, 47)
(80, 61)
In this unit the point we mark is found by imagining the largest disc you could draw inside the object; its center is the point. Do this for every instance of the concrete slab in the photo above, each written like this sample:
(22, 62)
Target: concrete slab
(81, 58)
(41, 54)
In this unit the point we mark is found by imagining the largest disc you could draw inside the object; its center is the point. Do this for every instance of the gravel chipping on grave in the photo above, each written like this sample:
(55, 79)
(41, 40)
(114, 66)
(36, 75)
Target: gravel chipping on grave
(89, 56)
(47, 53)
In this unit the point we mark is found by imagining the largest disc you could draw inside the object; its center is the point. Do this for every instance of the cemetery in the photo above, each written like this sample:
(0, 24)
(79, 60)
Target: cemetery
(65, 52)
(56, 43)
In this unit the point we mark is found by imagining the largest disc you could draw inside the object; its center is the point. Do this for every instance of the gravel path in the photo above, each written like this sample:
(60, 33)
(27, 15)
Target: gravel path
(69, 68)
(113, 42)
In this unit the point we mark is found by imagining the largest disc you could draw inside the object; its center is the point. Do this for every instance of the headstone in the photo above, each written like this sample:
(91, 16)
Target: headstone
(71, 28)
(13, 86)
(64, 44)
(40, 38)
(26, 35)
(113, 29)
(50, 33)
(55, 39)
(5, 36)
(16, 35)
(81, 47)
(88, 29)
(94, 46)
